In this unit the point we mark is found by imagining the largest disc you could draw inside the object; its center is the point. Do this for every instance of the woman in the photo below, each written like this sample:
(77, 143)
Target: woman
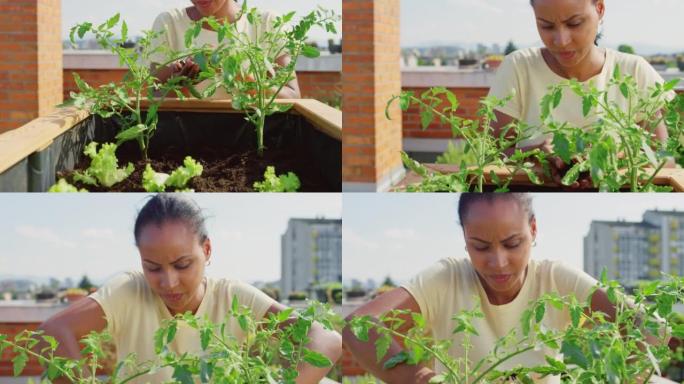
(500, 232)
(174, 249)
(569, 30)
(173, 25)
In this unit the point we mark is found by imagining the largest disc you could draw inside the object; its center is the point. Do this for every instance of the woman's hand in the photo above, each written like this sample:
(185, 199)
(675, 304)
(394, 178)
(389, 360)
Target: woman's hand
(187, 68)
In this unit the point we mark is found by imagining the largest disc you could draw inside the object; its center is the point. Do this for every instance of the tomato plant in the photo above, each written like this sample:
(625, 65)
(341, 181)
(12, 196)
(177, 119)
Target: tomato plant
(270, 351)
(631, 347)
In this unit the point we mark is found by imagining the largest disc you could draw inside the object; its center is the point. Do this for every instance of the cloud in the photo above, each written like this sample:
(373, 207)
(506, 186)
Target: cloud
(98, 233)
(229, 235)
(400, 233)
(45, 235)
(351, 238)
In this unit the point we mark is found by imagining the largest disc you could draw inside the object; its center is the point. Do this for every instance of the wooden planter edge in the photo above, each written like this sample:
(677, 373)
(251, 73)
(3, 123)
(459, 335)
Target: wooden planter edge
(673, 177)
(39, 133)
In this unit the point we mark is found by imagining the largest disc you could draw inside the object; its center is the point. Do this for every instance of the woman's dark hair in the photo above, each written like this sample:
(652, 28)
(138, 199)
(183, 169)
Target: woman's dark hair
(466, 200)
(598, 35)
(165, 207)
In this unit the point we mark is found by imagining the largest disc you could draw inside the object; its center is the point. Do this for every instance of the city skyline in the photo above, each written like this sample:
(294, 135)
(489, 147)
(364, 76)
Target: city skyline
(457, 22)
(93, 234)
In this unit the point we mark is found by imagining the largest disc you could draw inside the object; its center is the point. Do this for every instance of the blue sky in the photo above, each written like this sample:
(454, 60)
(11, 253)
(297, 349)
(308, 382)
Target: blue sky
(69, 235)
(139, 15)
(402, 234)
(635, 22)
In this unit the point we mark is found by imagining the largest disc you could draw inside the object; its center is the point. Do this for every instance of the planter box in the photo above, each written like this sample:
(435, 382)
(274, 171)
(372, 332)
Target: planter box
(30, 156)
(667, 177)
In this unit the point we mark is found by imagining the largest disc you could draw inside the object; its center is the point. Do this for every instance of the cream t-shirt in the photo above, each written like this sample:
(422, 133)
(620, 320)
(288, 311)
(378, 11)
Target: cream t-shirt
(173, 25)
(525, 72)
(134, 312)
(452, 285)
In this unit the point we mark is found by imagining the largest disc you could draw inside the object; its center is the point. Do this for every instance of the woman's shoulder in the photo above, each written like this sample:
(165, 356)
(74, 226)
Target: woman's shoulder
(124, 287)
(528, 56)
(629, 63)
(173, 16)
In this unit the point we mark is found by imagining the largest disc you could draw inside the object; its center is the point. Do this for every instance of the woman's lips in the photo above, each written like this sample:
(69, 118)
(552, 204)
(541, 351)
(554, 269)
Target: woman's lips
(172, 297)
(500, 278)
(203, 4)
(566, 55)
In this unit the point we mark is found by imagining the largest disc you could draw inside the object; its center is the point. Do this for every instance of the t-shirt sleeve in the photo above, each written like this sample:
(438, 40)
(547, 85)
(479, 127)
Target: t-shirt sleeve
(647, 77)
(572, 281)
(164, 39)
(507, 82)
(114, 299)
(253, 298)
(428, 288)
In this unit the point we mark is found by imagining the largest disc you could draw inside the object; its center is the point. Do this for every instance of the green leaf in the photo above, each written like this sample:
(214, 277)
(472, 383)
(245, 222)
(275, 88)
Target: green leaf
(624, 89)
(561, 147)
(19, 361)
(670, 85)
(124, 31)
(616, 73)
(539, 312)
(359, 327)
(557, 95)
(396, 359)
(243, 322)
(83, 29)
(382, 345)
(234, 305)
(183, 375)
(171, 333)
(310, 52)
(573, 354)
(205, 337)
(131, 133)
(113, 21)
(316, 359)
(575, 314)
(426, 117)
(572, 174)
(587, 104)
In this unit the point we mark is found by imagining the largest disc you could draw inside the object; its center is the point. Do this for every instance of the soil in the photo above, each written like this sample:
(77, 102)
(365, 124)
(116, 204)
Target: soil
(224, 171)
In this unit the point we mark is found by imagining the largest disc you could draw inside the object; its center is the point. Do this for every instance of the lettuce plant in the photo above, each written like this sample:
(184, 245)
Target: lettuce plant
(178, 179)
(104, 167)
(273, 183)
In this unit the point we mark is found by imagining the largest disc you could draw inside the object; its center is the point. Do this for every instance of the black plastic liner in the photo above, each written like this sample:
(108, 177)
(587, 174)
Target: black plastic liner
(183, 133)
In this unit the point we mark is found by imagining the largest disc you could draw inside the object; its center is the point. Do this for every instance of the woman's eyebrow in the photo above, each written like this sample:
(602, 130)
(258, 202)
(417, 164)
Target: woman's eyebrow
(564, 21)
(173, 262)
(503, 241)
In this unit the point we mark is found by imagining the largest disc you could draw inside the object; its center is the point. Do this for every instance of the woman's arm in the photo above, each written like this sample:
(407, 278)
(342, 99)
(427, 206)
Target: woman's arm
(364, 352)
(326, 342)
(291, 89)
(70, 325)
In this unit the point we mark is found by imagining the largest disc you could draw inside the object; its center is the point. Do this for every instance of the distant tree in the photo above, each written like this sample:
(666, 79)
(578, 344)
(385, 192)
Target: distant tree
(510, 47)
(85, 283)
(388, 282)
(626, 48)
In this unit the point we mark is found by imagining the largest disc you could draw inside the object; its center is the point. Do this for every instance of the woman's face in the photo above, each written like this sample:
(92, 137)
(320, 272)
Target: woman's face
(173, 261)
(209, 7)
(568, 27)
(498, 237)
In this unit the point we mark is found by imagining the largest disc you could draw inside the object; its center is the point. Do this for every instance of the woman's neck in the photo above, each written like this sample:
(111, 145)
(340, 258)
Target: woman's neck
(589, 67)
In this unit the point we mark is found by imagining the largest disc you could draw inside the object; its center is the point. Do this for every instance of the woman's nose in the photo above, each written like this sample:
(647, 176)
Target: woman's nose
(168, 280)
(498, 259)
(561, 37)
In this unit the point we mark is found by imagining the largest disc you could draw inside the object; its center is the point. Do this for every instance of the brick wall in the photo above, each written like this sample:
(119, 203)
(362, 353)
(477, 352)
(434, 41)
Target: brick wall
(30, 60)
(370, 76)
(6, 367)
(468, 99)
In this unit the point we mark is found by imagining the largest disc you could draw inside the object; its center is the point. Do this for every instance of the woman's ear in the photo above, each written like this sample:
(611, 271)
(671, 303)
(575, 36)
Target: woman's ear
(600, 9)
(533, 227)
(206, 247)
